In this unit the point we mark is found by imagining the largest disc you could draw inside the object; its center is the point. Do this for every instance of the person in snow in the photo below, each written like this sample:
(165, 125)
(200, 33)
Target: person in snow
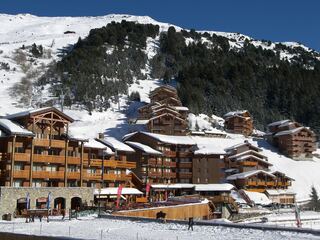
(190, 223)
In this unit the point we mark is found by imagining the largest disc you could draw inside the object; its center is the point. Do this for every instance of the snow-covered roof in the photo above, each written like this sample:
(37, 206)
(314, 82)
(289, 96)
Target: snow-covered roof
(278, 123)
(210, 146)
(291, 131)
(115, 144)
(172, 186)
(142, 121)
(241, 145)
(215, 131)
(246, 153)
(181, 108)
(12, 128)
(275, 192)
(143, 148)
(92, 143)
(275, 172)
(114, 191)
(197, 133)
(177, 140)
(235, 113)
(38, 111)
(258, 198)
(244, 175)
(223, 187)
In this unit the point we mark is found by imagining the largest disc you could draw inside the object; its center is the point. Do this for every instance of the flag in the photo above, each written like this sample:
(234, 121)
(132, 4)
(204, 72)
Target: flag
(147, 189)
(28, 201)
(119, 195)
(48, 200)
(297, 213)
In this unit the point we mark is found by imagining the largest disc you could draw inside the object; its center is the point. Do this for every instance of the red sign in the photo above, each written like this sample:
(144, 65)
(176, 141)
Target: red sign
(147, 189)
(119, 195)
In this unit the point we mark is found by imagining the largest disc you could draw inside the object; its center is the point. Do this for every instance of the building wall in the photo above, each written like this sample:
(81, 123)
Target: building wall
(207, 169)
(10, 195)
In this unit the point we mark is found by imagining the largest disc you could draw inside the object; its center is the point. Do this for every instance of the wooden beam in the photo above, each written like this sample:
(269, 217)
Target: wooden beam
(12, 159)
(81, 164)
(31, 162)
(66, 163)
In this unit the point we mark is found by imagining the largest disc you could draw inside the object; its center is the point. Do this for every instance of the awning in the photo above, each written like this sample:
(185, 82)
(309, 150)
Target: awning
(42, 200)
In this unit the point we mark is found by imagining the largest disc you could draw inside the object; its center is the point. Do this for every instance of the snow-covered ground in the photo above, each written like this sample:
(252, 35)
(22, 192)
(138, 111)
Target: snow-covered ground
(94, 228)
(286, 218)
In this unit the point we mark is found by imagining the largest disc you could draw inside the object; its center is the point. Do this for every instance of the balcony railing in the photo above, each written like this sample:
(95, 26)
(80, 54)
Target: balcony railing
(169, 175)
(169, 164)
(93, 176)
(155, 174)
(185, 174)
(20, 174)
(48, 174)
(49, 142)
(48, 158)
(73, 175)
(116, 177)
(21, 157)
(185, 165)
(170, 153)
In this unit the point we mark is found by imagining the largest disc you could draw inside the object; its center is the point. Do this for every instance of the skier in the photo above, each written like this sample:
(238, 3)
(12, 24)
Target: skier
(190, 223)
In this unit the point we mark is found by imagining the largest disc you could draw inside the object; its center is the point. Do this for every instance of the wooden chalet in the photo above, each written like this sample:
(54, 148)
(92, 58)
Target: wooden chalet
(248, 169)
(167, 123)
(37, 150)
(292, 139)
(163, 92)
(152, 167)
(239, 122)
(165, 114)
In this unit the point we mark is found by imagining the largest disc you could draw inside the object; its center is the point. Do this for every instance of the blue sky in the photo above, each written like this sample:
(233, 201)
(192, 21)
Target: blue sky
(276, 20)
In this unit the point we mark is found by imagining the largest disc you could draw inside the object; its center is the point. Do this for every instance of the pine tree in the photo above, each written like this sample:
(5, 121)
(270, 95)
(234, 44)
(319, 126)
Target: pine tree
(314, 203)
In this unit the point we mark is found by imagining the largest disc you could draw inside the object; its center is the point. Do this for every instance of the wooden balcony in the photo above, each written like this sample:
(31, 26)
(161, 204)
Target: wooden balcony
(116, 177)
(152, 162)
(185, 174)
(185, 165)
(170, 153)
(58, 159)
(21, 174)
(185, 154)
(74, 160)
(48, 174)
(169, 175)
(169, 164)
(120, 164)
(249, 163)
(93, 176)
(49, 143)
(73, 175)
(260, 183)
(21, 157)
(155, 174)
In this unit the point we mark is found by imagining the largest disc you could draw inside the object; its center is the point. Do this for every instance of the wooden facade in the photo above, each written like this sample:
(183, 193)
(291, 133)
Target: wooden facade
(239, 122)
(49, 157)
(292, 139)
(165, 113)
(247, 168)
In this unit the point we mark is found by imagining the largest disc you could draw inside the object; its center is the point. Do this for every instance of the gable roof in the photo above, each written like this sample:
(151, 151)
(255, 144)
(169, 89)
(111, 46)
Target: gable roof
(166, 114)
(246, 153)
(12, 128)
(235, 113)
(247, 174)
(241, 145)
(115, 144)
(34, 112)
(291, 131)
(273, 124)
(144, 148)
(254, 157)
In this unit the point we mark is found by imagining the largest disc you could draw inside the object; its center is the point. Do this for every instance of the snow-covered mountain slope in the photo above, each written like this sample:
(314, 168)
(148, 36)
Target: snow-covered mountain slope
(57, 34)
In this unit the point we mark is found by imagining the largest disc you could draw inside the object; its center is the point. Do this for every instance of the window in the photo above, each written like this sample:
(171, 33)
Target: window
(17, 183)
(36, 183)
(18, 167)
(19, 150)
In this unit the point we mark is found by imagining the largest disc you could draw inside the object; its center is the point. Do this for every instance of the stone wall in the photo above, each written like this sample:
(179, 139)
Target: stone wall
(10, 195)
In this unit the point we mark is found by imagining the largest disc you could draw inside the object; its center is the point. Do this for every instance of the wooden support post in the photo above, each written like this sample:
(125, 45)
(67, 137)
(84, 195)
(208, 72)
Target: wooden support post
(12, 159)
(81, 164)
(66, 163)
(31, 162)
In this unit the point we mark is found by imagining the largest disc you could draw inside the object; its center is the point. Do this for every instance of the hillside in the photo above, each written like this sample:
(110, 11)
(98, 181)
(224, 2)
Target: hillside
(40, 58)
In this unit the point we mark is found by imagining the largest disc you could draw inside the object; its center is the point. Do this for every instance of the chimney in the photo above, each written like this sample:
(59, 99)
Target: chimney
(101, 136)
